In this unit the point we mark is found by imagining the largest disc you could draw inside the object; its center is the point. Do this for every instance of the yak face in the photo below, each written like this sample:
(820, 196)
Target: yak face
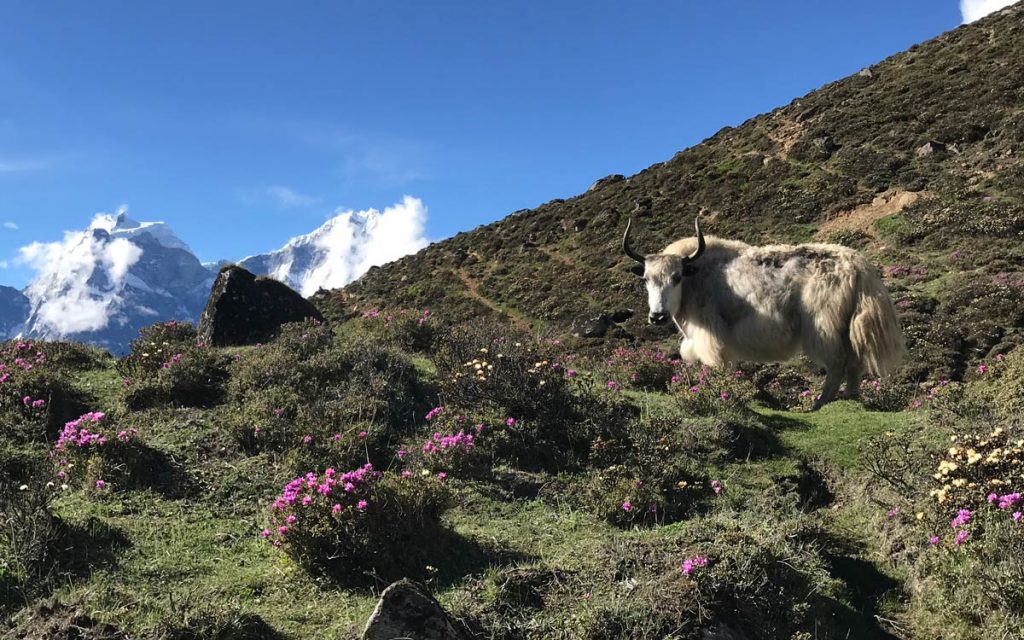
(665, 278)
(665, 275)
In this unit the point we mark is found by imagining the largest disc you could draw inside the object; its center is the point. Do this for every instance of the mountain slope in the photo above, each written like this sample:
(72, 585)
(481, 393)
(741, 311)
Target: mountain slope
(914, 160)
(14, 307)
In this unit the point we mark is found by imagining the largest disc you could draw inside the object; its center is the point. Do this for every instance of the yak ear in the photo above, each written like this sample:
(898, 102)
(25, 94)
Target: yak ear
(637, 270)
(689, 270)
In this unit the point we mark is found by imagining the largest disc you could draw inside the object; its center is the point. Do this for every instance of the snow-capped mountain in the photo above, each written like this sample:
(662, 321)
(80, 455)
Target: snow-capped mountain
(344, 247)
(103, 284)
(14, 308)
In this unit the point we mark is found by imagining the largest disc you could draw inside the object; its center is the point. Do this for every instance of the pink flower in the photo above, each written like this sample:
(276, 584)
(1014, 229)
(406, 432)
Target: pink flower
(1016, 516)
(934, 540)
(291, 520)
(982, 368)
(724, 395)
(962, 517)
(362, 504)
(717, 486)
(892, 513)
(265, 533)
(511, 422)
(100, 484)
(442, 475)
(406, 473)
(992, 497)
(433, 413)
(362, 435)
(570, 373)
(307, 439)
(613, 385)
(690, 564)
(336, 508)
(627, 506)
(962, 536)
(282, 530)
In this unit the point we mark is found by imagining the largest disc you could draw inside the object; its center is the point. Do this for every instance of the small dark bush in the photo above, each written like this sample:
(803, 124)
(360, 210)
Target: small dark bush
(155, 347)
(191, 377)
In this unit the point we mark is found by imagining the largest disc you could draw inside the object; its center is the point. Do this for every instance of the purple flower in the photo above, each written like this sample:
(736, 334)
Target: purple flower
(962, 517)
(511, 422)
(982, 368)
(100, 484)
(442, 475)
(307, 439)
(362, 504)
(265, 533)
(962, 536)
(1016, 516)
(892, 513)
(934, 540)
(717, 486)
(627, 506)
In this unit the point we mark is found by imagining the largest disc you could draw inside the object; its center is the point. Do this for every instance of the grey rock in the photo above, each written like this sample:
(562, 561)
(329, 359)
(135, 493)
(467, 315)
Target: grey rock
(407, 610)
(592, 326)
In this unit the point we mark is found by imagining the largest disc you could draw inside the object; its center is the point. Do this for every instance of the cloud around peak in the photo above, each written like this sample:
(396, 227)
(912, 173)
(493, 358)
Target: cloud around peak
(972, 10)
(68, 294)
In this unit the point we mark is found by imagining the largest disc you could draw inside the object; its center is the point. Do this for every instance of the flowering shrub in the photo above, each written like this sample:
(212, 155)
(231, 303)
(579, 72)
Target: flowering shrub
(90, 453)
(643, 368)
(703, 391)
(283, 391)
(412, 331)
(155, 346)
(979, 466)
(342, 523)
(188, 376)
(627, 495)
(36, 397)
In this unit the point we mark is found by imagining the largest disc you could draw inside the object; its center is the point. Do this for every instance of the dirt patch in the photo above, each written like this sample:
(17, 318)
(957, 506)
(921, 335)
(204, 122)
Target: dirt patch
(57, 621)
(863, 218)
(785, 131)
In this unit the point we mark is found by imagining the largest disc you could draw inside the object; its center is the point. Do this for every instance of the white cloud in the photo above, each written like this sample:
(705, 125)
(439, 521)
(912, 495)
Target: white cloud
(975, 9)
(4, 264)
(347, 245)
(288, 197)
(65, 296)
(10, 225)
(21, 166)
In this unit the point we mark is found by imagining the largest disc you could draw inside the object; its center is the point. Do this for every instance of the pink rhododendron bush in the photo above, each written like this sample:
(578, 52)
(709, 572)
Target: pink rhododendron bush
(91, 452)
(36, 394)
(350, 523)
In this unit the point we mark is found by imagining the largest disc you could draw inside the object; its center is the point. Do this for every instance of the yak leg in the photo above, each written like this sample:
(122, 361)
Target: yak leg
(833, 378)
(853, 374)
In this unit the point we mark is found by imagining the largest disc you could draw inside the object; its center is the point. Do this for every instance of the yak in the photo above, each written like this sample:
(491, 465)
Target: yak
(734, 302)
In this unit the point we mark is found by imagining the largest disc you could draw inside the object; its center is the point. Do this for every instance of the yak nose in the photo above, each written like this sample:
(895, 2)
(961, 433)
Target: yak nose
(658, 318)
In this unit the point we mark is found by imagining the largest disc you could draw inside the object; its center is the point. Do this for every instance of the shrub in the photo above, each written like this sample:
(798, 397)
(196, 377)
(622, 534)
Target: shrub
(156, 345)
(978, 466)
(627, 496)
(643, 368)
(537, 412)
(702, 391)
(194, 376)
(412, 331)
(29, 539)
(90, 453)
(307, 386)
(36, 396)
(341, 524)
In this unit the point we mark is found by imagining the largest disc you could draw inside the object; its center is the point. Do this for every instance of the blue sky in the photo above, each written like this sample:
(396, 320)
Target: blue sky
(243, 124)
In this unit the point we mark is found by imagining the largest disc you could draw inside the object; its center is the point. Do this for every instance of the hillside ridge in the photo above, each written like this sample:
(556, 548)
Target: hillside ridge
(931, 131)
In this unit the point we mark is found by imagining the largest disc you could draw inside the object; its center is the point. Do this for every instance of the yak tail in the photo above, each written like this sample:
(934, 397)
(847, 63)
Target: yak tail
(875, 334)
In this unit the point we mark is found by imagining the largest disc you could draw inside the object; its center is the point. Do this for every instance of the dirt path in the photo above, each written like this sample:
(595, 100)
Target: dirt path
(473, 287)
(863, 218)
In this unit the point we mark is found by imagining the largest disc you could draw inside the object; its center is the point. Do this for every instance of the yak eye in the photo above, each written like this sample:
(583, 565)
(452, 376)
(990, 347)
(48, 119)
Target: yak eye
(677, 278)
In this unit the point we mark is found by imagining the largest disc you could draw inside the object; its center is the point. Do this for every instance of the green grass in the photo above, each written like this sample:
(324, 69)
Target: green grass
(836, 430)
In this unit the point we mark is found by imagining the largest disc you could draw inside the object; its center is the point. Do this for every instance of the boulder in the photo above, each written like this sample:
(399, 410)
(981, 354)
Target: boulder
(605, 181)
(407, 610)
(247, 309)
(929, 148)
(592, 326)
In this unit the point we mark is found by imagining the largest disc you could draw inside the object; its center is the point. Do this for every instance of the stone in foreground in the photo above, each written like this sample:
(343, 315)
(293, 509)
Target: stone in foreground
(247, 309)
(407, 610)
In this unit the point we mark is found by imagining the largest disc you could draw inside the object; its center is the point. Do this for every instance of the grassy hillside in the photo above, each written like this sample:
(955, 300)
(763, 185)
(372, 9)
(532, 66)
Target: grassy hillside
(549, 487)
(915, 160)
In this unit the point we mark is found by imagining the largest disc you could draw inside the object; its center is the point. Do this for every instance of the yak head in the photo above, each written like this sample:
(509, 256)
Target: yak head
(664, 275)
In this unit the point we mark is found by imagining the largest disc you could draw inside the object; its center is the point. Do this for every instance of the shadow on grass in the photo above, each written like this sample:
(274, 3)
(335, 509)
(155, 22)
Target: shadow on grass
(440, 557)
(155, 470)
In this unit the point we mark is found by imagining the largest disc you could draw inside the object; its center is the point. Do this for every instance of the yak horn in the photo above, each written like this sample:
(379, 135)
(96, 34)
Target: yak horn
(626, 246)
(701, 245)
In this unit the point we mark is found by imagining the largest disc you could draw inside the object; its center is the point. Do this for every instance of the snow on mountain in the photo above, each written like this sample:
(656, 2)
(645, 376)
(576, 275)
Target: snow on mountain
(103, 284)
(344, 247)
